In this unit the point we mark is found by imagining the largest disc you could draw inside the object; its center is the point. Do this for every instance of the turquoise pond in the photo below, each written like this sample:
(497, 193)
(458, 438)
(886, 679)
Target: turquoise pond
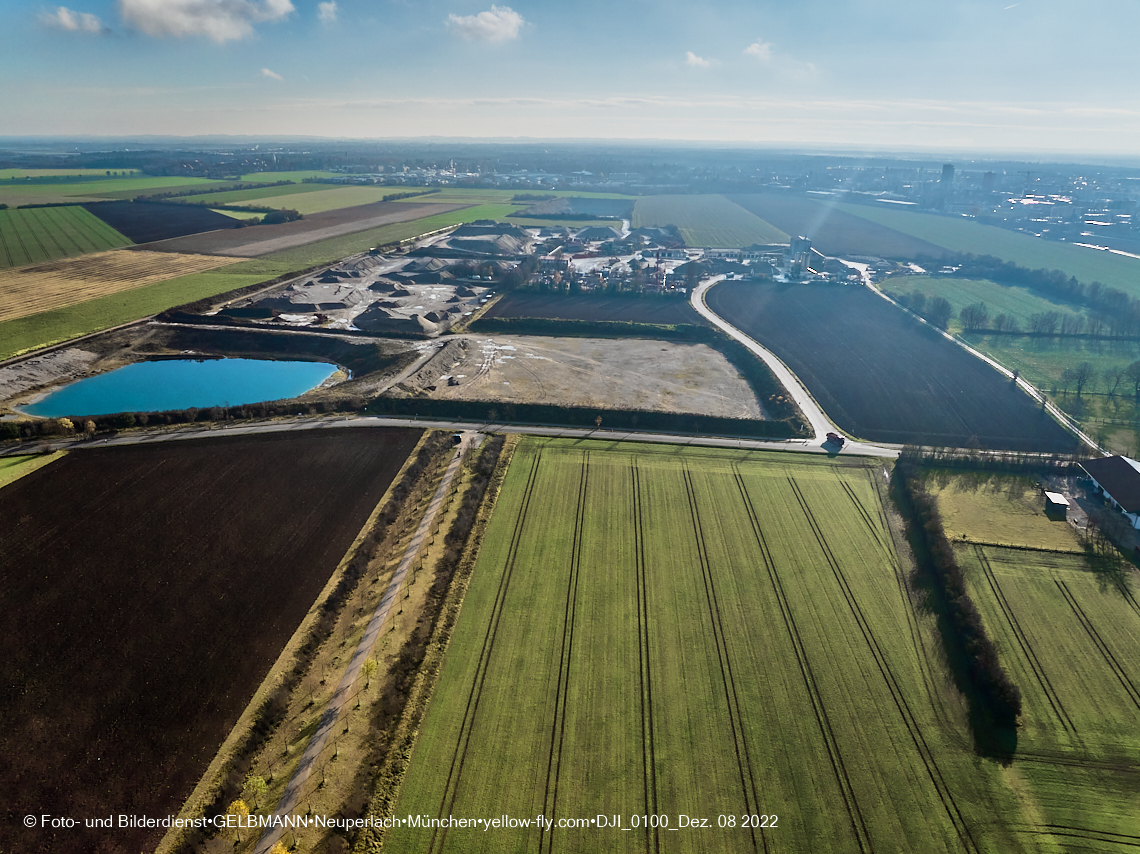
(182, 384)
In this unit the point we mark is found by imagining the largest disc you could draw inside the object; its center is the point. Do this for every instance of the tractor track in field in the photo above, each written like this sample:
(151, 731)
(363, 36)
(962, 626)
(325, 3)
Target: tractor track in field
(648, 733)
(945, 793)
(1086, 833)
(823, 720)
(1023, 642)
(1101, 645)
(863, 512)
(451, 785)
(731, 696)
(561, 696)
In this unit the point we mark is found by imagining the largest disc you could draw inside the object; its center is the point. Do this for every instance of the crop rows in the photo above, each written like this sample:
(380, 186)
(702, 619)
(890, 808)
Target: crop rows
(30, 290)
(1068, 638)
(687, 633)
(36, 235)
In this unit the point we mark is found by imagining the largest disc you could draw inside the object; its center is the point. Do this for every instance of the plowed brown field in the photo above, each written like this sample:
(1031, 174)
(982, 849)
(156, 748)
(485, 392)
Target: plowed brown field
(69, 281)
(146, 591)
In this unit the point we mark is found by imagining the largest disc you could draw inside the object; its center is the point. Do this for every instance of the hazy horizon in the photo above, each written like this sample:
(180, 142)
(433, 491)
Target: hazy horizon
(970, 76)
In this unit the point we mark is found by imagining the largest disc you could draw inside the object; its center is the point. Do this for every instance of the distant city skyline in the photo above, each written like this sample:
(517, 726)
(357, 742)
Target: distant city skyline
(960, 76)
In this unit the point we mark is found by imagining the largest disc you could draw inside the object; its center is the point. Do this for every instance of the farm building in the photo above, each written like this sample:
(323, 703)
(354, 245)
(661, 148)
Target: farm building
(1118, 479)
(1055, 502)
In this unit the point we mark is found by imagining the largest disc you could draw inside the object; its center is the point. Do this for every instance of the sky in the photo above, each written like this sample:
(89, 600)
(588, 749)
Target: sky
(1049, 76)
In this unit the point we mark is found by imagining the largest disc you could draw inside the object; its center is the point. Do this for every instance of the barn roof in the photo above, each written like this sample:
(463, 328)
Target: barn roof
(1119, 477)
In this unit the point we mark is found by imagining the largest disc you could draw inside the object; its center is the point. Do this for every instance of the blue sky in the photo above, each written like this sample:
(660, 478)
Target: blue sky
(1035, 75)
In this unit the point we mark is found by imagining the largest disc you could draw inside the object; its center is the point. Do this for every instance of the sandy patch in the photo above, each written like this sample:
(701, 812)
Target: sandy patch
(615, 374)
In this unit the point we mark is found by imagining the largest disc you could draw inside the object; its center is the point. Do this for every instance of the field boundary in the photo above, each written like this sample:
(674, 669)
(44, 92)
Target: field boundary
(451, 785)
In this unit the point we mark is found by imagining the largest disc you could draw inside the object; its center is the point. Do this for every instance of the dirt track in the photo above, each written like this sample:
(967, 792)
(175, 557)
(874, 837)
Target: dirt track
(263, 239)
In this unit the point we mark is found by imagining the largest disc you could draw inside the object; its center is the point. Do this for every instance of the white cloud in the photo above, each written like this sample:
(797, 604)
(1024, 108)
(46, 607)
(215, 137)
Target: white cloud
(327, 12)
(499, 24)
(696, 61)
(219, 20)
(66, 19)
(759, 49)
(265, 72)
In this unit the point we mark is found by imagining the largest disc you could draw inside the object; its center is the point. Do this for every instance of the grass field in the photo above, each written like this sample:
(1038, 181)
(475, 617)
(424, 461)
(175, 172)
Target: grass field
(1069, 637)
(14, 468)
(964, 235)
(112, 188)
(832, 231)
(301, 175)
(36, 235)
(61, 324)
(699, 633)
(999, 299)
(324, 198)
(706, 221)
(232, 197)
(1002, 509)
(38, 288)
(9, 174)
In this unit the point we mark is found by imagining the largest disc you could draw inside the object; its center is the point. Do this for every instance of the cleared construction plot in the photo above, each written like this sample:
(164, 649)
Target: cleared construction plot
(608, 373)
(665, 632)
(1069, 638)
(712, 221)
(36, 235)
(42, 287)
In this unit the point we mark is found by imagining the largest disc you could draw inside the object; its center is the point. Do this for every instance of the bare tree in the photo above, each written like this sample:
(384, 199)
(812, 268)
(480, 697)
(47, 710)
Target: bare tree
(1132, 374)
(1112, 378)
(1083, 377)
(974, 316)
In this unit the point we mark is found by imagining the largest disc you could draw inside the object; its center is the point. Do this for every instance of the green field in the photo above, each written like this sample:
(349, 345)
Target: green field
(305, 199)
(964, 235)
(706, 221)
(1015, 301)
(52, 327)
(301, 175)
(230, 197)
(9, 174)
(35, 235)
(1042, 361)
(14, 468)
(1069, 638)
(110, 188)
(329, 250)
(665, 631)
(1005, 510)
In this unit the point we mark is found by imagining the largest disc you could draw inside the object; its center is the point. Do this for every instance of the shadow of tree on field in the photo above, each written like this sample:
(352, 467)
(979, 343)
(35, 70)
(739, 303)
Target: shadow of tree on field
(993, 739)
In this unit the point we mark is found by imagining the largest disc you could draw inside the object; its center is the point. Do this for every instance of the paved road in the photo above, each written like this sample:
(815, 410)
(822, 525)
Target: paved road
(821, 425)
(291, 797)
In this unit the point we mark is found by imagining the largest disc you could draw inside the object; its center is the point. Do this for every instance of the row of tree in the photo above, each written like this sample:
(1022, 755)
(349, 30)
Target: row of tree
(964, 633)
